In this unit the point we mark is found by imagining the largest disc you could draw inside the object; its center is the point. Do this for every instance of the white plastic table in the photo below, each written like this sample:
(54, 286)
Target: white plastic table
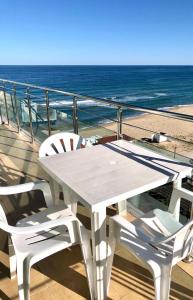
(107, 174)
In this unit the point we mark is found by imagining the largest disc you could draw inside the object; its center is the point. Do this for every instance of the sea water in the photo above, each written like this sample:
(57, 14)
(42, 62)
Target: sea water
(148, 86)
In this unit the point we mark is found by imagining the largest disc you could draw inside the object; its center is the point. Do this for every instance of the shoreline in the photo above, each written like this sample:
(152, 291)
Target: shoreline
(174, 108)
(143, 126)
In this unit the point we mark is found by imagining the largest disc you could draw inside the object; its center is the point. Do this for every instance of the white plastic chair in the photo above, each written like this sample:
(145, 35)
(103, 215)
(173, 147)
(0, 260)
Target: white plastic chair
(158, 240)
(59, 143)
(41, 235)
(18, 189)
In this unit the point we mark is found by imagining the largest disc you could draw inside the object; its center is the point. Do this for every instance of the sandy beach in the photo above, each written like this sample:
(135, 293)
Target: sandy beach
(152, 123)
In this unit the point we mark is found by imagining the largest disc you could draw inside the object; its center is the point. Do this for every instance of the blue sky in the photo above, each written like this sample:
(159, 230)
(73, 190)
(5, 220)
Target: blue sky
(96, 32)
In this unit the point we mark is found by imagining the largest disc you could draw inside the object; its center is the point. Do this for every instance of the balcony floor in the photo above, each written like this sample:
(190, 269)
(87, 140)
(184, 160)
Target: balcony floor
(62, 275)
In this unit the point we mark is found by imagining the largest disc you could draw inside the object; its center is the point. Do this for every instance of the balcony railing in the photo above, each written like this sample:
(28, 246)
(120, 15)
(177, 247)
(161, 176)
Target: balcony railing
(41, 111)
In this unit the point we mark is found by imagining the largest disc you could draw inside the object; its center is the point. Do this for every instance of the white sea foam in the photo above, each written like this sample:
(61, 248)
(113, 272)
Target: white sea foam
(181, 105)
(85, 102)
(88, 102)
(126, 99)
(166, 107)
(160, 94)
(135, 98)
(113, 98)
(173, 106)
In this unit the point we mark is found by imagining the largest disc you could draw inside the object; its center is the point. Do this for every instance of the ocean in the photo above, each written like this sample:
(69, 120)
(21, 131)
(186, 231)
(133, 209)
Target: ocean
(148, 86)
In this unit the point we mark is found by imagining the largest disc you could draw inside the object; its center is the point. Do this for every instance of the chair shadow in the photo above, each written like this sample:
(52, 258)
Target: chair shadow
(3, 296)
(65, 268)
(4, 271)
(135, 277)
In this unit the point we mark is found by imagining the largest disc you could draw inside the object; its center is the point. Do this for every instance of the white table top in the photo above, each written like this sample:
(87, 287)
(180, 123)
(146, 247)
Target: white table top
(107, 174)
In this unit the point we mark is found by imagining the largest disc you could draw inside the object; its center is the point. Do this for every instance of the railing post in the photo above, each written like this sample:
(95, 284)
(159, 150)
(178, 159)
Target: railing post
(16, 108)
(119, 123)
(6, 107)
(48, 111)
(30, 114)
(11, 98)
(1, 117)
(75, 115)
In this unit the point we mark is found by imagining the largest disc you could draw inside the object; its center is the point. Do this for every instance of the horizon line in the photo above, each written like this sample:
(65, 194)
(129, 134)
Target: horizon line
(101, 65)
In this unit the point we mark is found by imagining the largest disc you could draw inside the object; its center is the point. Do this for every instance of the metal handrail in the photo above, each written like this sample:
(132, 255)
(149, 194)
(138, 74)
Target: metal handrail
(28, 90)
(160, 112)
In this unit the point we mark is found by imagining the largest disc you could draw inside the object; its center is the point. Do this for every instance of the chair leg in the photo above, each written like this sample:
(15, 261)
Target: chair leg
(12, 259)
(23, 278)
(162, 283)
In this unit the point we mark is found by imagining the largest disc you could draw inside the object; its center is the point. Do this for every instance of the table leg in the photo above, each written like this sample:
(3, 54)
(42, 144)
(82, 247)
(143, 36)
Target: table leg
(99, 245)
(70, 200)
(122, 207)
(174, 206)
(55, 189)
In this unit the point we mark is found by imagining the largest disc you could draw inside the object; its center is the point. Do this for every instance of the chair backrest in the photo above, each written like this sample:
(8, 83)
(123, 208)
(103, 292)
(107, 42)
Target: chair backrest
(181, 242)
(61, 142)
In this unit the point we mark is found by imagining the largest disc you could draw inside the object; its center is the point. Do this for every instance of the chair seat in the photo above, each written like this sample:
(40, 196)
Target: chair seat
(51, 213)
(156, 225)
(55, 239)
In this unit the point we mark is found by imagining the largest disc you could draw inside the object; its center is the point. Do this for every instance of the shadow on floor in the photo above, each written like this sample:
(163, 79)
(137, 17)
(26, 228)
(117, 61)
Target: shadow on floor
(138, 279)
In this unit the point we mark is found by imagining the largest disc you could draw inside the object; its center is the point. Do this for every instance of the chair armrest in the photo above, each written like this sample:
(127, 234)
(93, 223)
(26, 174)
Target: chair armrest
(27, 187)
(38, 228)
(135, 242)
(142, 238)
(123, 223)
(184, 193)
(138, 237)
